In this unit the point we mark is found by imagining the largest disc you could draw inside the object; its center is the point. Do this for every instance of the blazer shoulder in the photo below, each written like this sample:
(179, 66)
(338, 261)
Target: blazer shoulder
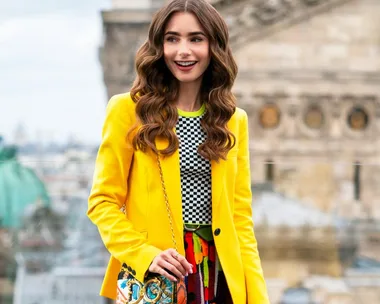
(121, 103)
(240, 113)
(239, 116)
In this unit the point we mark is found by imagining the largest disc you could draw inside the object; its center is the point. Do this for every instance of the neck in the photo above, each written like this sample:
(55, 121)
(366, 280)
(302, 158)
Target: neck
(188, 98)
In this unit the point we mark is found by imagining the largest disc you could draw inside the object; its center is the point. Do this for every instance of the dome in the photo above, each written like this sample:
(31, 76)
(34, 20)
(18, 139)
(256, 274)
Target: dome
(19, 188)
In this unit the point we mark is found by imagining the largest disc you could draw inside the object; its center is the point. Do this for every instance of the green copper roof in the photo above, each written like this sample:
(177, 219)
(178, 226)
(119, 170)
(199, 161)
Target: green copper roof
(19, 187)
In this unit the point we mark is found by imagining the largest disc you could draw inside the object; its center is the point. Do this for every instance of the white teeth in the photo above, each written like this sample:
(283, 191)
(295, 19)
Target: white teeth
(185, 63)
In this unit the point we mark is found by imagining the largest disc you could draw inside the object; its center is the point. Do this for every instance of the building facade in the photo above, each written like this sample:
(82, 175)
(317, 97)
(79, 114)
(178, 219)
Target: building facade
(308, 78)
(309, 73)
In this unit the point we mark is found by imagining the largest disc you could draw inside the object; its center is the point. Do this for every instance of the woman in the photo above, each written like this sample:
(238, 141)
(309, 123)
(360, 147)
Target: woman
(181, 108)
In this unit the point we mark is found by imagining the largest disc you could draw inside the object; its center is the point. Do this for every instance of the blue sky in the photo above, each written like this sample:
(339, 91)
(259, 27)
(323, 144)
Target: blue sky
(50, 77)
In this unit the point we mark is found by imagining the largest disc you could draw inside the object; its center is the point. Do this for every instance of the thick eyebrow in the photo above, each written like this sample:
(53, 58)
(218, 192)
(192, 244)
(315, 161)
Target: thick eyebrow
(190, 34)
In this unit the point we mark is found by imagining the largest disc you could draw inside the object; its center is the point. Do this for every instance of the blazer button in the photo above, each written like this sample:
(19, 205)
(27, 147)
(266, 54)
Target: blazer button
(216, 231)
(129, 269)
(133, 272)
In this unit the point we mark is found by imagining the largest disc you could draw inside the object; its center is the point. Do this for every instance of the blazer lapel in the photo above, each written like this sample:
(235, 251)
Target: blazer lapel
(218, 170)
(172, 178)
(217, 178)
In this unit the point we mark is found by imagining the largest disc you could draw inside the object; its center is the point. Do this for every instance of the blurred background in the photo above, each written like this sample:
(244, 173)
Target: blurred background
(309, 75)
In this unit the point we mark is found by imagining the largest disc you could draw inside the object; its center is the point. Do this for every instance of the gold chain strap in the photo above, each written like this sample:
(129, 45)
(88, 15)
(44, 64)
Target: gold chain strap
(167, 203)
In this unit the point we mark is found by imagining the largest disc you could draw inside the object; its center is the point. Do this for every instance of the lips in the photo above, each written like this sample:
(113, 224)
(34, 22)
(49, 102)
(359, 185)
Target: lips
(185, 63)
(185, 66)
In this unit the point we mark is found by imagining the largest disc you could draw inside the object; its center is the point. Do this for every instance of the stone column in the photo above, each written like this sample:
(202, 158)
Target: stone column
(125, 29)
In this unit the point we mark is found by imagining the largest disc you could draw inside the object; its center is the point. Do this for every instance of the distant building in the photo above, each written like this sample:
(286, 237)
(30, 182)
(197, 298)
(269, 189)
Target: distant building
(22, 191)
(20, 136)
(58, 246)
(75, 273)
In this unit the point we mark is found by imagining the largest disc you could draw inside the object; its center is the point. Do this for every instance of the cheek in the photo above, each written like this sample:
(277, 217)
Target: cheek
(167, 53)
(206, 59)
(206, 54)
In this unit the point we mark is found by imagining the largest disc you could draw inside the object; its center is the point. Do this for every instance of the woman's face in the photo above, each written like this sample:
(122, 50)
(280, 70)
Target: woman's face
(186, 48)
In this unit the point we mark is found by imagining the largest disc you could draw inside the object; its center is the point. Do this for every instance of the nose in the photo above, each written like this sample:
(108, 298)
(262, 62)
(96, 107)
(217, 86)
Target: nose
(184, 49)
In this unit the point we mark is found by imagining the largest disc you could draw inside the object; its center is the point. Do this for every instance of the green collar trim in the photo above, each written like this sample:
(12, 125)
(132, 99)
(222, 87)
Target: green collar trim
(198, 113)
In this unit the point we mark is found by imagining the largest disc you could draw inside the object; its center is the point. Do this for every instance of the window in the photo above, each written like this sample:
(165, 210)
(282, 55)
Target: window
(358, 118)
(269, 171)
(314, 118)
(357, 181)
(269, 116)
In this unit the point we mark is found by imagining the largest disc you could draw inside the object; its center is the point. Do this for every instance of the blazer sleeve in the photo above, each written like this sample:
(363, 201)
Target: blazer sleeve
(255, 283)
(109, 191)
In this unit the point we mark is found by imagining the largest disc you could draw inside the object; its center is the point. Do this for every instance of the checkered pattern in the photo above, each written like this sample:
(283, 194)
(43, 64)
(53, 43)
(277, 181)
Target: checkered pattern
(195, 172)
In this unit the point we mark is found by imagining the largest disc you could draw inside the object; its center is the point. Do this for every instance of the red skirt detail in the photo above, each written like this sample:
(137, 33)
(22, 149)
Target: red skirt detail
(207, 284)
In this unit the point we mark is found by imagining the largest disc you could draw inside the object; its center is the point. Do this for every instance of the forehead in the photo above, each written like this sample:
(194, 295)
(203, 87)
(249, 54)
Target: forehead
(182, 22)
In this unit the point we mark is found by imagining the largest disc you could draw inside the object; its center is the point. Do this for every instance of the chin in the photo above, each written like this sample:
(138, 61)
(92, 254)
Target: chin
(187, 78)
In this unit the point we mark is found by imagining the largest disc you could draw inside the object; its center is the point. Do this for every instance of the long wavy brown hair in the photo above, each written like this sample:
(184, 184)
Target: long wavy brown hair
(155, 89)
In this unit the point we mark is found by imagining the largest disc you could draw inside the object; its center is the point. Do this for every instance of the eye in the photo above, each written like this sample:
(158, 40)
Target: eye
(197, 39)
(171, 39)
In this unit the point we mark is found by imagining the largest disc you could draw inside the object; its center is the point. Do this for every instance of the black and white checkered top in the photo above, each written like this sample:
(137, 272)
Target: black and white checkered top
(195, 170)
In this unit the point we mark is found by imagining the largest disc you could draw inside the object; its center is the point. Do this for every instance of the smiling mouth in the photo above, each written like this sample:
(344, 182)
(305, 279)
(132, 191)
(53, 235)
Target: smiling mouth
(185, 63)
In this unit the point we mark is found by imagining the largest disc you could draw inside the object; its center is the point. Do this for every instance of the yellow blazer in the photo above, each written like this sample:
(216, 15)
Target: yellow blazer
(125, 176)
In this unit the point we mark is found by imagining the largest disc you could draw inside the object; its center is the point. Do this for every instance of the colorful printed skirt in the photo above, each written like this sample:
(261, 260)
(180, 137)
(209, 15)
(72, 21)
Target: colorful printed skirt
(207, 284)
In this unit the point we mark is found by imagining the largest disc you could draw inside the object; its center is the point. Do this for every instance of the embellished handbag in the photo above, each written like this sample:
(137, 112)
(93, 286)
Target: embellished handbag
(155, 288)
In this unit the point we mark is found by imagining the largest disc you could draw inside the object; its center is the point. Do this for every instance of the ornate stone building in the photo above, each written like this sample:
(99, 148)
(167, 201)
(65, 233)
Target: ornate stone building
(308, 78)
(309, 73)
